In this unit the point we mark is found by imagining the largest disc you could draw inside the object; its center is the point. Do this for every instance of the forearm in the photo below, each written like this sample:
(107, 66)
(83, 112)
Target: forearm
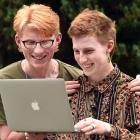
(15, 136)
(7, 134)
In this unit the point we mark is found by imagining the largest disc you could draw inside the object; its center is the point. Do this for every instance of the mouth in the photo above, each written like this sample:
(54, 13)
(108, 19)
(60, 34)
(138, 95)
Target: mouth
(39, 57)
(87, 66)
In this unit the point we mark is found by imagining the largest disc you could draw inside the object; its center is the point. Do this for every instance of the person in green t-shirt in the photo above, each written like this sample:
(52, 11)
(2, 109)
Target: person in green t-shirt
(37, 37)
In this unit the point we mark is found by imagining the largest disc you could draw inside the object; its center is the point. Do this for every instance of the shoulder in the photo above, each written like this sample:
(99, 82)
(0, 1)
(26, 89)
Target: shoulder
(67, 69)
(11, 71)
(68, 66)
(124, 78)
(122, 86)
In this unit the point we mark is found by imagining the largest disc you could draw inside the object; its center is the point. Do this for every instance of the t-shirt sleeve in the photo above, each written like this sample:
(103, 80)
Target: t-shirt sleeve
(2, 114)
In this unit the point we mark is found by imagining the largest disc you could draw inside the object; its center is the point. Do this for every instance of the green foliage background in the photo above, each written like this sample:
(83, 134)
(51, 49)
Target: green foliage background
(125, 13)
(127, 17)
(8, 9)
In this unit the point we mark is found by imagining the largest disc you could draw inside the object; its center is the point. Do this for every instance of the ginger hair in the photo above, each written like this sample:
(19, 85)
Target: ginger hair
(93, 22)
(37, 17)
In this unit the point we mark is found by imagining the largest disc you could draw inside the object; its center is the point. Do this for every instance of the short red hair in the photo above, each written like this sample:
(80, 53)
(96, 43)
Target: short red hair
(37, 17)
(93, 22)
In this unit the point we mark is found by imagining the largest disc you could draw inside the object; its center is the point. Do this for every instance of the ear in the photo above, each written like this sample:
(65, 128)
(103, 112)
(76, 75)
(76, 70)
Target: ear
(58, 38)
(17, 40)
(110, 46)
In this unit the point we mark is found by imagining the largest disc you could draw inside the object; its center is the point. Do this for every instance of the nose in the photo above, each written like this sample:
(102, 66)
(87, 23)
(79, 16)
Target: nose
(38, 48)
(82, 58)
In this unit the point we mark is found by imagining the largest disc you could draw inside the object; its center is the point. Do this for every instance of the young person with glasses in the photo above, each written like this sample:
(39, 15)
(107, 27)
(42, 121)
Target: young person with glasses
(37, 37)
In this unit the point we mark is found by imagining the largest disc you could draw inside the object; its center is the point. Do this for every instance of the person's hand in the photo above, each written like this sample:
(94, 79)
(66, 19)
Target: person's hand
(134, 85)
(71, 87)
(93, 126)
(34, 136)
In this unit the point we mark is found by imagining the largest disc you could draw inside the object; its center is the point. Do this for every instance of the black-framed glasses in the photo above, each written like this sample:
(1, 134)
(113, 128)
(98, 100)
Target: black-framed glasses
(31, 44)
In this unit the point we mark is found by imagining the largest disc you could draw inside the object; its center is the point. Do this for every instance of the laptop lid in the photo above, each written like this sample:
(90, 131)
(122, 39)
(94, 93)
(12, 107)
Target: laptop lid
(36, 105)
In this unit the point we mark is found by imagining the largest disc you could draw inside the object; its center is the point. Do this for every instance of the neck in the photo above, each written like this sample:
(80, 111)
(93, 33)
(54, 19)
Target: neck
(48, 71)
(102, 73)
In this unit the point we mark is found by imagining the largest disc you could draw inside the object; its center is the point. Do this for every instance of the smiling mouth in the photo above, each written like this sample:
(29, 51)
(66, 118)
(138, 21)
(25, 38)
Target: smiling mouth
(39, 58)
(86, 66)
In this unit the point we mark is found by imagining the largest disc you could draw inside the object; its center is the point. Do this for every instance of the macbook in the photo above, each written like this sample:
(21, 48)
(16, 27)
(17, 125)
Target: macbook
(36, 105)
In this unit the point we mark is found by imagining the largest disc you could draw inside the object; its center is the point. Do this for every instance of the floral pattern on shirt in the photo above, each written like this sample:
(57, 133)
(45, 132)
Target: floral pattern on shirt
(110, 101)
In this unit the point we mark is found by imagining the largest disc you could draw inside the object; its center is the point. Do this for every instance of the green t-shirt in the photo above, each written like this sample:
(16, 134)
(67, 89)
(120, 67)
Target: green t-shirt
(14, 71)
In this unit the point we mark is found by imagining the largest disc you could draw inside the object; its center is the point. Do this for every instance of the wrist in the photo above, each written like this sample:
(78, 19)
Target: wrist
(108, 130)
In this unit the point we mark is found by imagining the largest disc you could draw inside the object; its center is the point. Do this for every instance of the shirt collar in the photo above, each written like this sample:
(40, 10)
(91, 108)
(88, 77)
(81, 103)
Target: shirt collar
(102, 85)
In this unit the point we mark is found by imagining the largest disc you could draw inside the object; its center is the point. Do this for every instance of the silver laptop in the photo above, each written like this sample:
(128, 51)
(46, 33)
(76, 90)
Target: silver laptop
(36, 105)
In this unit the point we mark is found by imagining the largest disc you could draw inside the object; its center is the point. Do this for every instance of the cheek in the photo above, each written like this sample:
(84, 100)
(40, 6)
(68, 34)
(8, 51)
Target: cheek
(25, 52)
(56, 49)
(76, 57)
(50, 52)
(102, 59)
(22, 49)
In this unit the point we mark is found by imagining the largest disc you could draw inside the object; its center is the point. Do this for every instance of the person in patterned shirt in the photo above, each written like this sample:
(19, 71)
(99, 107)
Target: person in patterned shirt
(103, 107)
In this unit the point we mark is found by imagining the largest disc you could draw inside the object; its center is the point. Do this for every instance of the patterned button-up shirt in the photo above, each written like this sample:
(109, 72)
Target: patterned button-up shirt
(110, 101)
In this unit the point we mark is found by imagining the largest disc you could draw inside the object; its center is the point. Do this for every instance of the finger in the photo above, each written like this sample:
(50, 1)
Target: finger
(91, 132)
(69, 98)
(74, 86)
(137, 93)
(26, 136)
(70, 91)
(135, 89)
(134, 83)
(138, 76)
(88, 128)
(80, 125)
(71, 82)
(83, 123)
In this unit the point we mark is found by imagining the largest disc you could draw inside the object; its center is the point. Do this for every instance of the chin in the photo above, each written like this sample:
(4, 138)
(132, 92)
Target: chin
(38, 65)
(87, 73)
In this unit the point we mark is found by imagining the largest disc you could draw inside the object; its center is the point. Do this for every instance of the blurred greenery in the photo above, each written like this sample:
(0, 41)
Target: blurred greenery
(8, 9)
(126, 14)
